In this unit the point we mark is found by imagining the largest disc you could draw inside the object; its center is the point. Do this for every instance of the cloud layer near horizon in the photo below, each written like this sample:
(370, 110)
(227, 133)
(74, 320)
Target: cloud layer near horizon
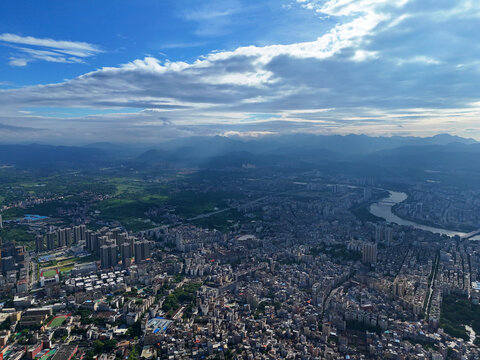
(385, 68)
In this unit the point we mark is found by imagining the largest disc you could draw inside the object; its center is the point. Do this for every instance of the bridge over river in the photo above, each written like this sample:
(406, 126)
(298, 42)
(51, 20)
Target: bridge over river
(471, 234)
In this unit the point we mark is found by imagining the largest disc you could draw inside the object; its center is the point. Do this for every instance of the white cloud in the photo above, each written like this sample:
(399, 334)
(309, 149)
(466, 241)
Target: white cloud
(81, 49)
(382, 66)
(18, 61)
(419, 59)
(50, 50)
(362, 55)
(215, 17)
(183, 45)
(247, 134)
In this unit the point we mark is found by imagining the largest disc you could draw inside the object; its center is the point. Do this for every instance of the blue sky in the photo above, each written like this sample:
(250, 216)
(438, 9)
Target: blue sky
(125, 30)
(86, 71)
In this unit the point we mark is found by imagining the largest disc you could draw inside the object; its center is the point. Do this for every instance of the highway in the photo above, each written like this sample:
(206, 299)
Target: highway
(202, 216)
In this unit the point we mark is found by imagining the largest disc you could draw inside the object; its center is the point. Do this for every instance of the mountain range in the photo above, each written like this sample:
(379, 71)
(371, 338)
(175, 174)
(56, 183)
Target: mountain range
(353, 154)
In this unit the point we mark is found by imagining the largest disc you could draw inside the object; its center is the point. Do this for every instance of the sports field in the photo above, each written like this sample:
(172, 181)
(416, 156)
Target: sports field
(49, 273)
(48, 354)
(57, 321)
(66, 269)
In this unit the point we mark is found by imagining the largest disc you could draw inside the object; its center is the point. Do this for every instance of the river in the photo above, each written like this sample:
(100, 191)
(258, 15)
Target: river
(383, 209)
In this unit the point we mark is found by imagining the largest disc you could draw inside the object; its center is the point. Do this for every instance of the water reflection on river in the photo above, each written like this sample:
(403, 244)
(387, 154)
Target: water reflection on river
(383, 209)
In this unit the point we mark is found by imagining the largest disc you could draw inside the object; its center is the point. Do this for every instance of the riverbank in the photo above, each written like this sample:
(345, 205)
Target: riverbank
(453, 227)
(383, 209)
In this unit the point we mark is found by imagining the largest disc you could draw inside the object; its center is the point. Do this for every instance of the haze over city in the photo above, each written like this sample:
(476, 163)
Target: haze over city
(239, 180)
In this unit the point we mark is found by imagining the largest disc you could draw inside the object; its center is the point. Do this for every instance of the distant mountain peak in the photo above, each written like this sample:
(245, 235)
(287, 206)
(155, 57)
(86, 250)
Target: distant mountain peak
(444, 139)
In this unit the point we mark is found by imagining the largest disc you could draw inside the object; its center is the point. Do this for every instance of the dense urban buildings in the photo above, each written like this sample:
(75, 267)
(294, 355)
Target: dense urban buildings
(239, 180)
(301, 273)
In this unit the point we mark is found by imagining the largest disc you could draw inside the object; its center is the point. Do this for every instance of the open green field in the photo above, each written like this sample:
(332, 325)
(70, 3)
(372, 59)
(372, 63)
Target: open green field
(189, 203)
(57, 321)
(140, 205)
(126, 185)
(129, 207)
(73, 186)
(132, 198)
(49, 273)
(226, 220)
(66, 269)
(76, 184)
(137, 201)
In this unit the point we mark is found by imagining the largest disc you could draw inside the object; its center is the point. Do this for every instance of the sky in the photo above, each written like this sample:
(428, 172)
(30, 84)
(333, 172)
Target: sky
(79, 72)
